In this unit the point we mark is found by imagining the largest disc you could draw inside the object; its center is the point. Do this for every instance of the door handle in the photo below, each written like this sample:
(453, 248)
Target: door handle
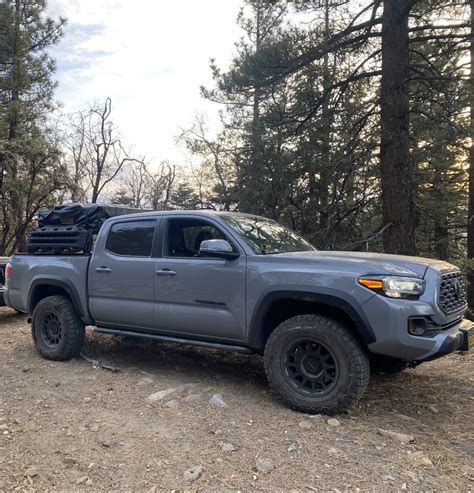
(166, 272)
(103, 270)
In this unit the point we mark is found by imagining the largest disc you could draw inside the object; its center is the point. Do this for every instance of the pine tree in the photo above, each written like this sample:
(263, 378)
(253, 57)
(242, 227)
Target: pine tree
(28, 153)
(253, 158)
(439, 127)
(298, 141)
(294, 78)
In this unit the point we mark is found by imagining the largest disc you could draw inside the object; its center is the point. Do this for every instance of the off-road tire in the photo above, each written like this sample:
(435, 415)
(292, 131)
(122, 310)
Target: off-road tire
(380, 365)
(72, 329)
(352, 362)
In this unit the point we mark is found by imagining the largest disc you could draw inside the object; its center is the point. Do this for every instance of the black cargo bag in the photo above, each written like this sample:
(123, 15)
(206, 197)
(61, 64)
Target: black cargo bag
(90, 217)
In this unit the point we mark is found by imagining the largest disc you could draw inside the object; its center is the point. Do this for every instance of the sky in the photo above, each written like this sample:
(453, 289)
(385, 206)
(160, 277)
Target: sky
(150, 57)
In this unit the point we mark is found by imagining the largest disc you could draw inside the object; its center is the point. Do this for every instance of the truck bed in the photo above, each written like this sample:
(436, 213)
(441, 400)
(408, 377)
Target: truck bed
(29, 270)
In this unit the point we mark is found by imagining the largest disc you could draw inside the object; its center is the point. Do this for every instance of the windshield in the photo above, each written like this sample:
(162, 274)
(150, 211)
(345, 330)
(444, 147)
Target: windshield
(266, 236)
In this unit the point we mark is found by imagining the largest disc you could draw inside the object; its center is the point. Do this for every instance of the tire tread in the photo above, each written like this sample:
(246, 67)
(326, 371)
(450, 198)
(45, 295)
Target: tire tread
(359, 358)
(74, 330)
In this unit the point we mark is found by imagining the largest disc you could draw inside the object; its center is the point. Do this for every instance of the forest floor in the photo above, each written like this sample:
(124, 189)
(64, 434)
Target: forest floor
(74, 426)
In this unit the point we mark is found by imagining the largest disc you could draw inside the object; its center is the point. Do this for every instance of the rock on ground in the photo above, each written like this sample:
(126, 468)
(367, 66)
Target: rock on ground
(160, 395)
(398, 437)
(264, 465)
(81, 480)
(227, 447)
(193, 473)
(217, 400)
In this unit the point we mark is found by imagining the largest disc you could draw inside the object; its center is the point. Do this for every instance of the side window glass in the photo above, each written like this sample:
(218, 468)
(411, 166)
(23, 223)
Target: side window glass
(186, 235)
(132, 239)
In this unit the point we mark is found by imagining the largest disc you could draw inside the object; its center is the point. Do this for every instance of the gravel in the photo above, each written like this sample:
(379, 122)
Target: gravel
(148, 446)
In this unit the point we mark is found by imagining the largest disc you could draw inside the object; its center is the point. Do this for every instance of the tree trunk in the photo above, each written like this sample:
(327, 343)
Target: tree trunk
(12, 150)
(324, 171)
(256, 132)
(396, 167)
(251, 173)
(441, 233)
(470, 225)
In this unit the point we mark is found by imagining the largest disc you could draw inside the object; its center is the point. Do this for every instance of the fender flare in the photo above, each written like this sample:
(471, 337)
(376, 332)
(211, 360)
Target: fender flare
(60, 283)
(341, 301)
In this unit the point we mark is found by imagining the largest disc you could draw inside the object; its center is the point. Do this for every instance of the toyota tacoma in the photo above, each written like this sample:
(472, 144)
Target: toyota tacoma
(237, 282)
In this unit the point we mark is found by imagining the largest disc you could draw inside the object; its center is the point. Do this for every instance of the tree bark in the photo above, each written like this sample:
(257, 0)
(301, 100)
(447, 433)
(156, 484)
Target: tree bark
(12, 169)
(396, 167)
(470, 225)
(256, 171)
(324, 171)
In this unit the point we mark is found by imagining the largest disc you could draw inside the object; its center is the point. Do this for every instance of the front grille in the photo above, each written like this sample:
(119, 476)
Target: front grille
(452, 293)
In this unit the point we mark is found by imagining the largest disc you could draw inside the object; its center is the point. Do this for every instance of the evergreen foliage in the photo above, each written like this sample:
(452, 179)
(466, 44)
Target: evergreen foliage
(349, 121)
(29, 155)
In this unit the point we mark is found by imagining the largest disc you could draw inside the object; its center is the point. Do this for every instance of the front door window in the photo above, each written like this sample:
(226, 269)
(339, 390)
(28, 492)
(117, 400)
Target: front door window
(186, 235)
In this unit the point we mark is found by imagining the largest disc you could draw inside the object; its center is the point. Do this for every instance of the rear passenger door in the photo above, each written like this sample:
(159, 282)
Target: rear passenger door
(121, 275)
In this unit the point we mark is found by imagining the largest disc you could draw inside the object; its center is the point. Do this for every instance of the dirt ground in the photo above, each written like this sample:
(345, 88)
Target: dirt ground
(73, 426)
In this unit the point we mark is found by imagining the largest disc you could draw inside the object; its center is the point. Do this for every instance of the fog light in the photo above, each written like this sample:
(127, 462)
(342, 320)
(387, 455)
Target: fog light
(417, 326)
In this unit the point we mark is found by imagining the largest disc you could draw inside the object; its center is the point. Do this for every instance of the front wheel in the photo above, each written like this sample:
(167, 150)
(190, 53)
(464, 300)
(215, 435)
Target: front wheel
(315, 365)
(58, 332)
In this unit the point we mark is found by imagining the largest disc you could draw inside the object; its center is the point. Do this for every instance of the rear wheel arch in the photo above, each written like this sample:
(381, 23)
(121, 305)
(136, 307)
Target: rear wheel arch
(42, 288)
(279, 306)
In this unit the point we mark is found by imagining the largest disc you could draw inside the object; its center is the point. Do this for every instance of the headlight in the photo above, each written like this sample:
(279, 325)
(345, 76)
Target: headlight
(395, 287)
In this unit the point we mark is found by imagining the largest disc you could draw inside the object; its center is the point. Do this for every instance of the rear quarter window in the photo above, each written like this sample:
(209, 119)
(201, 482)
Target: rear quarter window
(131, 239)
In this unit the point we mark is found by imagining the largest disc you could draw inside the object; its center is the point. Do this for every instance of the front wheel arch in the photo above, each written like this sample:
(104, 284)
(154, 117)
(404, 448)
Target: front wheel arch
(281, 305)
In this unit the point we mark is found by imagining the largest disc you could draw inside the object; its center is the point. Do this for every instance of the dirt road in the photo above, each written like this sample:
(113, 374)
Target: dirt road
(72, 426)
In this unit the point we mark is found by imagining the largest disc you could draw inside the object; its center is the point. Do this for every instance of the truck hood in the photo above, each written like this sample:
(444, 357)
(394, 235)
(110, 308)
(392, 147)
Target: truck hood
(376, 263)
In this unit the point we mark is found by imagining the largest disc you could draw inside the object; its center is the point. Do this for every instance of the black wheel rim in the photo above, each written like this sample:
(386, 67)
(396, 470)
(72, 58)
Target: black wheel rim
(51, 331)
(310, 367)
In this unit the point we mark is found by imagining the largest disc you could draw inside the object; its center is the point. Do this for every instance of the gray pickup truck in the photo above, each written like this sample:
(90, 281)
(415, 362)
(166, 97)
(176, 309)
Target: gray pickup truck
(236, 282)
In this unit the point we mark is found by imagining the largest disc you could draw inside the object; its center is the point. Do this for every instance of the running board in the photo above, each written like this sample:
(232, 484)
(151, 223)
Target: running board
(189, 342)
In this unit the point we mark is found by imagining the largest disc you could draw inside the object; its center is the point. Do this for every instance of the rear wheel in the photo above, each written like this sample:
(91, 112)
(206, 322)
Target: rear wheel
(315, 365)
(58, 332)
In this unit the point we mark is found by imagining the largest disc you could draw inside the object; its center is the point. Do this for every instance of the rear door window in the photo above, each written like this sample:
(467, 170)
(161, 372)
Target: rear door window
(131, 238)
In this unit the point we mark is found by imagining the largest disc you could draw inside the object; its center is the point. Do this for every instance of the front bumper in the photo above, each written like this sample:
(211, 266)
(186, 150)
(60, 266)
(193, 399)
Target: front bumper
(390, 325)
(462, 340)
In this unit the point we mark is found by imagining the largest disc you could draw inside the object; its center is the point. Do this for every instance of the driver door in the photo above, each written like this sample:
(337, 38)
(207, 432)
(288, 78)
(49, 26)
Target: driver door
(194, 295)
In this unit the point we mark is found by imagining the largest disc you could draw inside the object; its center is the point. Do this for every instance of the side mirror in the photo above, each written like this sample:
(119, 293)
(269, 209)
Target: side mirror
(217, 249)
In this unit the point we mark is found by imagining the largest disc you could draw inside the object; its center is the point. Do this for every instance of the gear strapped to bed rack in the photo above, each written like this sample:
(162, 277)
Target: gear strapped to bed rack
(71, 228)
